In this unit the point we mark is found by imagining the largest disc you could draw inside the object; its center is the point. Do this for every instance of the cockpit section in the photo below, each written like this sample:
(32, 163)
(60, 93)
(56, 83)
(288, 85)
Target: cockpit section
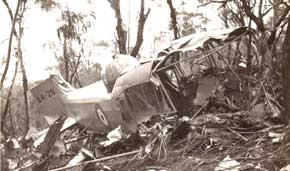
(178, 80)
(120, 65)
(143, 95)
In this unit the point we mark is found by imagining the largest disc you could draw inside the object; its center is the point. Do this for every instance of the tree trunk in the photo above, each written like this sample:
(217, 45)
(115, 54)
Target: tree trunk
(65, 58)
(24, 76)
(142, 20)
(286, 89)
(10, 14)
(7, 103)
(173, 19)
(10, 45)
(121, 31)
(276, 23)
(286, 74)
(25, 90)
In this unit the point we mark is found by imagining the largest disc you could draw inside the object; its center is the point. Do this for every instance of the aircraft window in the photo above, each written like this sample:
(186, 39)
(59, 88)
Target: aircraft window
(146, 98)
(136, 103)
(188, 67)
(143, 99)
(159, 94)
(125, 111)
(172, 77)
(148, 91)
(163, 101)
(173, 58)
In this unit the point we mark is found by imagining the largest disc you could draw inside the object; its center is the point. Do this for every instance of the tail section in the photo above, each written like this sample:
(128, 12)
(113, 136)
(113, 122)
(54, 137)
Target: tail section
(49, 96)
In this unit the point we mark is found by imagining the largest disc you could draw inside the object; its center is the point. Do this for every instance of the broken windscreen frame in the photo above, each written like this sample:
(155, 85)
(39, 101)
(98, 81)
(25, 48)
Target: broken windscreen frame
(148, 99)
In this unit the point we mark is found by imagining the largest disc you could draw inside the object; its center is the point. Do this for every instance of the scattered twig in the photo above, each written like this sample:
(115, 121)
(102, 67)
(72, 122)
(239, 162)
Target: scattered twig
(25, 167)
(156, 168)
(86, 127)
(238, 134)
(97, 160)
(75, 139)
(201, 109)
(162, 148)
(273, 107)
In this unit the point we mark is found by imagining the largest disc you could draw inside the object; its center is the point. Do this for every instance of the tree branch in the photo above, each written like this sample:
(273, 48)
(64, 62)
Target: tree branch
(142, 19)
(252, 16)
(283, 16)
(260, 9)
(10, 14)
(173, 19)
(238, 16)
(74, 74)
(266, 12)
(271, 39)
(222, 2)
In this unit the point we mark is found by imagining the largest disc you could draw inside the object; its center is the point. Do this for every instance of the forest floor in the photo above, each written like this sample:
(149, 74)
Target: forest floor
(228, 141)
(216, 135)
(235, 141)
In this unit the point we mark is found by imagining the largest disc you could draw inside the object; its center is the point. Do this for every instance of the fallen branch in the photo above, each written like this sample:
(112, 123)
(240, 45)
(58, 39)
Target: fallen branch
(200, 109)
(98, 160)
(26, 167)
(238, 134)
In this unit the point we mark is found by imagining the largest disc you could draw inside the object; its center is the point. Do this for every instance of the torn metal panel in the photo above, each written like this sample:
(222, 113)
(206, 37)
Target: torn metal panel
(39, 138)
(82, 155)
(206, 88)
(194, 41)
(208, 50)
(13, 143)
(193, 57)
(51, 136)
(113, 136)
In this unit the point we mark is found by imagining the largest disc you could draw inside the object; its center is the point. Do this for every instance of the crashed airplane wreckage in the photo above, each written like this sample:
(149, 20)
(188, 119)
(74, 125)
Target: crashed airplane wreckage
(131, 91)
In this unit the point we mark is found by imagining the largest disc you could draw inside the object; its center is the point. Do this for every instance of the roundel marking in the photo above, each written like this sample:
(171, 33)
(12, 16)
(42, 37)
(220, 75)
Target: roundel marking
(102, 117)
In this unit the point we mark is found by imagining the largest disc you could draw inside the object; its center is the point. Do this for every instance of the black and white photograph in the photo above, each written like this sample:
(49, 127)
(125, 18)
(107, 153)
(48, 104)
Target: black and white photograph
(145, 85)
